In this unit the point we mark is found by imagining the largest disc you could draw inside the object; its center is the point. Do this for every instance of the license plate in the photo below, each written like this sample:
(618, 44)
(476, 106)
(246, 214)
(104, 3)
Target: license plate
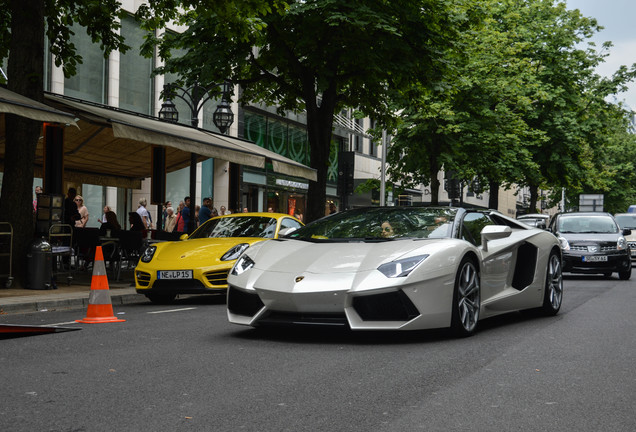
(174, 274)
(595, 258)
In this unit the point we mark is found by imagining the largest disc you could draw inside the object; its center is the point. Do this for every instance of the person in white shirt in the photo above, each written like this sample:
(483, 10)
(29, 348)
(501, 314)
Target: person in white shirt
(145, 216)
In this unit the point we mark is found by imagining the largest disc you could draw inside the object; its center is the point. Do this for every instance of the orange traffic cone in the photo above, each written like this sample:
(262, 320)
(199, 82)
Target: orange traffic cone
(100, 308)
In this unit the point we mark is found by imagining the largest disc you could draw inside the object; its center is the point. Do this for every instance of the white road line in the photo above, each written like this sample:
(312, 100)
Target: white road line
(64, 323)
(172, 310)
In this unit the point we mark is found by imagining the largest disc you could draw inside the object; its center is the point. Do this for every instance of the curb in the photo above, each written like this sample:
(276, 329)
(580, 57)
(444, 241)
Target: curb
(67, 304)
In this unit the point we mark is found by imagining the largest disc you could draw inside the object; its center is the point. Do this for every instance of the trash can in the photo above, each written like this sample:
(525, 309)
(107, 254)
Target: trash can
(40, 270)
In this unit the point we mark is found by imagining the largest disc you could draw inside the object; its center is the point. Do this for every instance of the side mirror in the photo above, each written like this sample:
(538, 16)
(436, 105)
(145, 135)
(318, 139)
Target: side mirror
(286, 231)
(627, 232)
(541, 224)
(494, 232)
(183, 237)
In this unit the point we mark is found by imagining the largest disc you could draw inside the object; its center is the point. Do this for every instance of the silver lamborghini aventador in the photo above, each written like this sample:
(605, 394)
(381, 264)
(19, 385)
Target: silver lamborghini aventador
(398, 268)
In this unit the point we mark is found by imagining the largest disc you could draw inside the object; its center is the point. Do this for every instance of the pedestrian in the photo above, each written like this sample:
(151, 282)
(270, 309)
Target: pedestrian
(83, 211)
(270, 210)
(171, 220)
(223, 211)
(38, 191)
(164, 213)
(298, 215)
(185, 214)
(111, 224)
(145, 216)
(205, 212)
(332, 208)
(245, 210)
(136, 224)
(106, 210)
(71, 214)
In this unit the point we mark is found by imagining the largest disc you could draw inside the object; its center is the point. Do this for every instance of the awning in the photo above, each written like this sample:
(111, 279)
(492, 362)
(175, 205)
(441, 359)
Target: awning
(111, 142)
(14, 103)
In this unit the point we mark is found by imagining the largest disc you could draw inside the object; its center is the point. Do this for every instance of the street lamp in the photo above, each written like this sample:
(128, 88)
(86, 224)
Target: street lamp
(195, 96)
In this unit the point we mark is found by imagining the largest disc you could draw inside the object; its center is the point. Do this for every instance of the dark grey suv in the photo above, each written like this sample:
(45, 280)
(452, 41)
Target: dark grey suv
(592, 243)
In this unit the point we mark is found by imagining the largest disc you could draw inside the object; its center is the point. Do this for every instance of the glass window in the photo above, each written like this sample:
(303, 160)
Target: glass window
(135, 84)
(289, 223)
(472, 225)
(89, 82)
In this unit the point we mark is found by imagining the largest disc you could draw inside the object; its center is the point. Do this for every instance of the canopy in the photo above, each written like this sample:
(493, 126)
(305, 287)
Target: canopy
(113, 143)
(14, 103)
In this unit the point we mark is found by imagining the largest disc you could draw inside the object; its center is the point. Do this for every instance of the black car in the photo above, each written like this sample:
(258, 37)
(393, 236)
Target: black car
(592, 242)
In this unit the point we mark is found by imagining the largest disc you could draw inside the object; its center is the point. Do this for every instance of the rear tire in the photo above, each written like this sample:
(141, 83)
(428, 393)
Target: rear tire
(466, 299)
(161, 298)
(553, 292)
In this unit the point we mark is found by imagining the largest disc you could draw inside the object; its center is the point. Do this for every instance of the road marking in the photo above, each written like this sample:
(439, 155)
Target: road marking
(172, 310)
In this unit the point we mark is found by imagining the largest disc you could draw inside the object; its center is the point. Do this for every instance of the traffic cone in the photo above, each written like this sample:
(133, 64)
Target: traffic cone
(100, 308)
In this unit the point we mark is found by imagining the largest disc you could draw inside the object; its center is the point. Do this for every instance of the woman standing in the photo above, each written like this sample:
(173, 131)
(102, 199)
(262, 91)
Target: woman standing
(83, 211)
(171, 220)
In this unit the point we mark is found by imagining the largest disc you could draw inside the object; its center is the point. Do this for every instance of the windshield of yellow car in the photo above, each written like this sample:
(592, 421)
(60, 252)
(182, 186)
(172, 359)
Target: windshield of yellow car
(237, 226)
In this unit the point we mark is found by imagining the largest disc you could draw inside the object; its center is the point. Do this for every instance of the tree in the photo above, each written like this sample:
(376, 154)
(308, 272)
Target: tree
(314, 56)
(22, 38)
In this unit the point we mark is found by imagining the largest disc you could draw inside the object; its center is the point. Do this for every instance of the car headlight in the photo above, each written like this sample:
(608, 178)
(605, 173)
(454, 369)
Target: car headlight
(401, 267)
(564, 243)
(622, 243)
(243, 264)
(235, 252)
(148, 254)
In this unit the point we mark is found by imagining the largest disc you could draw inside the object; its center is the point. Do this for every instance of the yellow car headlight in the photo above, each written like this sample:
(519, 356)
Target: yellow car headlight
(235, 252)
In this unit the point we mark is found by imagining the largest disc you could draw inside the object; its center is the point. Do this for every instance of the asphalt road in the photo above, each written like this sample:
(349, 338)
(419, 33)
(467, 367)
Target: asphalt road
(184, 367)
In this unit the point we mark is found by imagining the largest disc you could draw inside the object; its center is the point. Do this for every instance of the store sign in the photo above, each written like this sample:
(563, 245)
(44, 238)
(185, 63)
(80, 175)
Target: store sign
(293, 184)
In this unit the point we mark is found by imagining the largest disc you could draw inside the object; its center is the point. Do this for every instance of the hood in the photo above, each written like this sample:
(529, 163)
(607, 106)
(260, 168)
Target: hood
(210, 248)
(590, 238)
(288, 255)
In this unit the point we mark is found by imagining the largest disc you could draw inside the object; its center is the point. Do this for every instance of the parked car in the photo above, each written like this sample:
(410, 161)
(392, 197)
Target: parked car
(592, 242)
(398, 268)
(628, 221)
(535, 220)
(199, 264)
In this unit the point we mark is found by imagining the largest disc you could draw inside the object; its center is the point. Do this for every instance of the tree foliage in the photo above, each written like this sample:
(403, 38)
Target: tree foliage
(525, 106)
(314, 56)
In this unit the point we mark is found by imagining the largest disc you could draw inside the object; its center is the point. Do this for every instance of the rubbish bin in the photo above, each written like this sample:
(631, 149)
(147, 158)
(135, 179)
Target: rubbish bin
(39, 265)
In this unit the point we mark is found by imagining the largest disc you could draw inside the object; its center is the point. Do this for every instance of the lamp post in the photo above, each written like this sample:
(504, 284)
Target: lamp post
(194, 97)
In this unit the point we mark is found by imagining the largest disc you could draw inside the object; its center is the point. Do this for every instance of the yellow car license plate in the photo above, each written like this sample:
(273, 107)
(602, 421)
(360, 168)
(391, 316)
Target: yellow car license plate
(174, 274)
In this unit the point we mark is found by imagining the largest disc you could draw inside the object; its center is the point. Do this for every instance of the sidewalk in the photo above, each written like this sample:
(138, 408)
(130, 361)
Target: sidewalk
(74, 296)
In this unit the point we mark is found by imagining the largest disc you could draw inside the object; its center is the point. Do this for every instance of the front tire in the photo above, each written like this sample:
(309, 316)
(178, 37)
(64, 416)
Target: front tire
(625, 275)
(553, 292)
(466, 299)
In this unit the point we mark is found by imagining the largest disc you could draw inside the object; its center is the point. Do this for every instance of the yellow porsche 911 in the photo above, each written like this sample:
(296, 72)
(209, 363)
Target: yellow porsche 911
(199, 264)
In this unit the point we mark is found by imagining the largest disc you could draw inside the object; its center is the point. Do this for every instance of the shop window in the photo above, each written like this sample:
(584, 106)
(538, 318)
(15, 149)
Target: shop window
(135, 85)
(89, 82)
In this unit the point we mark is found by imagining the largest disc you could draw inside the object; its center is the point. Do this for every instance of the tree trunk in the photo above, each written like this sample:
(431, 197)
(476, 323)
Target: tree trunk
(434, 169)
(319, 131)
(534, 195)
(25, 73)
(493, 198)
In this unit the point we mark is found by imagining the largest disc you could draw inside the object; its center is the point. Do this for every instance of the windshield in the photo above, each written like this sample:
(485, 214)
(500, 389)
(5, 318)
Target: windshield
(380, 224)
(587, 224)
(237, 226)
(626, 221)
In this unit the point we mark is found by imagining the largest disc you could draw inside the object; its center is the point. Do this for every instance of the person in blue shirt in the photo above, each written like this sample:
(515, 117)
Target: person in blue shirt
(205, 212)
(185, 214)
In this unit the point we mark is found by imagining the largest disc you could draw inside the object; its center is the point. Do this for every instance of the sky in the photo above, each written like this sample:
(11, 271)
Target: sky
(617, 17)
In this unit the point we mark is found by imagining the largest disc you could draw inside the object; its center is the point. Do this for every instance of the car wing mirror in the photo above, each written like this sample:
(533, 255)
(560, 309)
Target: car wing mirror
(627, 232)
(493, 232)
(183, 237)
